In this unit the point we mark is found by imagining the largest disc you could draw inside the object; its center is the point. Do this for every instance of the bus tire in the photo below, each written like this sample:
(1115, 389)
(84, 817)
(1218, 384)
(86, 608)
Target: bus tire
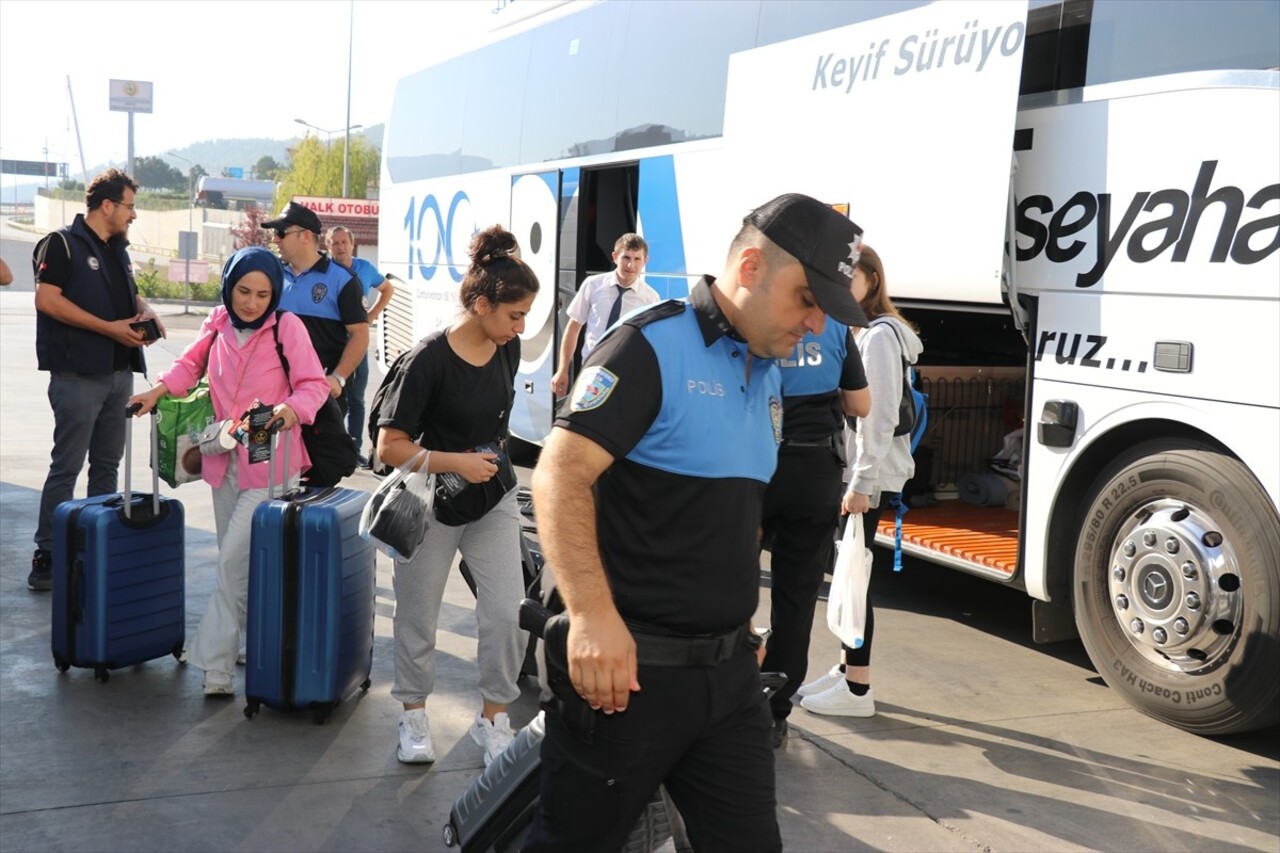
(1177, 587)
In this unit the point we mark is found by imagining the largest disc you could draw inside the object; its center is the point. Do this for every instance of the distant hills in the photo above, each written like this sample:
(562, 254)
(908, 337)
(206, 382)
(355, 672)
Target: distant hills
(213, 154)
(218, 154)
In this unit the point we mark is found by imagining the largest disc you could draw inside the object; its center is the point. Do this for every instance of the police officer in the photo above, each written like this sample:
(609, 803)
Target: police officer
(822, 381)
(326, 295)
(649, 494)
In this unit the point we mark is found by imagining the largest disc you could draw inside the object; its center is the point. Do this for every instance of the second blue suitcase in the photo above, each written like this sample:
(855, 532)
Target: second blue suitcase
(118, 577)
(311, 594)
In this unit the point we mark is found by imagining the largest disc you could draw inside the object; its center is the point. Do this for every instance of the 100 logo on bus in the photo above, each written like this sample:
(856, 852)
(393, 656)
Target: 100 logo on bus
(414, 220)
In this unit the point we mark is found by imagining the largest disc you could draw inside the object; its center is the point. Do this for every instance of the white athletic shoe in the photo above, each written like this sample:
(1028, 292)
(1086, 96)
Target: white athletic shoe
(822, 682)
(495, 737)
(219, 683)
(837, 701)
(415, 738)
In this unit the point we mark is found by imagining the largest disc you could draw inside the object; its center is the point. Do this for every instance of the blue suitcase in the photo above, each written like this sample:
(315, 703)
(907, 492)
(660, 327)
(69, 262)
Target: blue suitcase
(119, 567)
(311, 601)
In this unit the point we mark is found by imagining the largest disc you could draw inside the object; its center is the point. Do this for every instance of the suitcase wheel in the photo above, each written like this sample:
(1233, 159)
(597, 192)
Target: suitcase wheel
(450, 834)
(61, 663)
(319, 717)
(100, 674)
(251, 709)
(364, 688)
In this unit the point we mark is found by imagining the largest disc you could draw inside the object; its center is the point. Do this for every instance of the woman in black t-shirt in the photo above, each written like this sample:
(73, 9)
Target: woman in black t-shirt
(453, 397)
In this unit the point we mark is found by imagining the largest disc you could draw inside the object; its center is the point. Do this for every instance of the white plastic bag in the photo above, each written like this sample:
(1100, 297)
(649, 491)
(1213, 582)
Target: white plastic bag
(398, 514)
(847, 601)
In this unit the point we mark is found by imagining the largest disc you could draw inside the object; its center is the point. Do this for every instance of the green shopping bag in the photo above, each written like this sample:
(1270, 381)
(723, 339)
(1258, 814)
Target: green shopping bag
(180, 420)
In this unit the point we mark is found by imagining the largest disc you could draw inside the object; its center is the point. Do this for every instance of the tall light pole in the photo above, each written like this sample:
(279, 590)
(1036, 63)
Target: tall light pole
(329, 144)
(191, 211)
(346, 137)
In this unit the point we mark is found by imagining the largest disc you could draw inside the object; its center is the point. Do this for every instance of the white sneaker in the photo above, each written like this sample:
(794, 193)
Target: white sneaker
(837, 701)
(219, 683)
(495, 737)
(822, 682)
(240, 658)
(415, 738)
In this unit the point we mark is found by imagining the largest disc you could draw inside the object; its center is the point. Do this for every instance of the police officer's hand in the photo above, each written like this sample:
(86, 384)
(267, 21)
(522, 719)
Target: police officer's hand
(854, 503)
(476, 467)
(602, 660)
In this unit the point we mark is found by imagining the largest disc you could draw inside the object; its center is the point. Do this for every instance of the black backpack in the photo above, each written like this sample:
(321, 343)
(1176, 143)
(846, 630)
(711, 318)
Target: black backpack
(332, 452)
(375, 414)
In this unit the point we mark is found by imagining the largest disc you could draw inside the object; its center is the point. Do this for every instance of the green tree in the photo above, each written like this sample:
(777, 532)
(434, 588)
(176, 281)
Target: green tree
(316, 169)
(266, 167)
(154, 173)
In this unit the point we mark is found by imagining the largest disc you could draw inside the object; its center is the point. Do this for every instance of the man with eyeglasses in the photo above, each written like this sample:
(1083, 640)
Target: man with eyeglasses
(88, 337)
(325, 294)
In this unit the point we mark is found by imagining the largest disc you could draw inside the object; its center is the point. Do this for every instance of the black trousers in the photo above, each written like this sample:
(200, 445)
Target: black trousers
(801, 509)
(704, 732)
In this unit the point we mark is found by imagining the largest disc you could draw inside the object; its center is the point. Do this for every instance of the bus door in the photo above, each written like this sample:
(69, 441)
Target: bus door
(536, 222)
(597, 208)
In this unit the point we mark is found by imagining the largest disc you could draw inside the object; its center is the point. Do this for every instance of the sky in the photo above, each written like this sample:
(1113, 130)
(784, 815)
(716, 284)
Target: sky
(220, 68)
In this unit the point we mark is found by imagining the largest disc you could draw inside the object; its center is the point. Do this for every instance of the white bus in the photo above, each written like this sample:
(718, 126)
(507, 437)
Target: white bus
(1078, 202)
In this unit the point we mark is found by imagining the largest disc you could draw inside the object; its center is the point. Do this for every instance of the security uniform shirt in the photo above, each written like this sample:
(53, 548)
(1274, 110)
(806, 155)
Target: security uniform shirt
(694, 435)
(328, 298)
(812, 377)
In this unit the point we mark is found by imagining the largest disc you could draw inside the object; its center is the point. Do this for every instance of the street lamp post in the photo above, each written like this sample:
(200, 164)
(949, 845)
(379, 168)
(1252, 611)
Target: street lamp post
(191, 211)
(329, 145)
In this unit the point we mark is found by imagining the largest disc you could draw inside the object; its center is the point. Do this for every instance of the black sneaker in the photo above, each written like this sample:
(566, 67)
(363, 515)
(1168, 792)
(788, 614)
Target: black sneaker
(41, 577)
(779, 734)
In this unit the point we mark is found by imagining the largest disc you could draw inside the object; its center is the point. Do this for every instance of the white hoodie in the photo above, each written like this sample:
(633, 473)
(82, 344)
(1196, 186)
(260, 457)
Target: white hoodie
(881, 461)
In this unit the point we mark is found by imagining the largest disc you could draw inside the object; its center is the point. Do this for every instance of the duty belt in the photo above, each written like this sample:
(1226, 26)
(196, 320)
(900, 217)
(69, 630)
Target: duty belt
(709, 650)
(829, 443)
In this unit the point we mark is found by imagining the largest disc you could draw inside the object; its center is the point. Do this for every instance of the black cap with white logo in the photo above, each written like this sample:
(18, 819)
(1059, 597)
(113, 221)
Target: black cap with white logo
(295, 214)
(825, 242)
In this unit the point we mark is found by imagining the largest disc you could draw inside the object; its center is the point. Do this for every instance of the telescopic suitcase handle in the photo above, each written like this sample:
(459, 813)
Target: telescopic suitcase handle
(274, 431)
(129, 412)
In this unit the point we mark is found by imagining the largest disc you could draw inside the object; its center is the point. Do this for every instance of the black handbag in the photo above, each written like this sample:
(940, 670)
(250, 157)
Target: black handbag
(330, 446)
(472, 501)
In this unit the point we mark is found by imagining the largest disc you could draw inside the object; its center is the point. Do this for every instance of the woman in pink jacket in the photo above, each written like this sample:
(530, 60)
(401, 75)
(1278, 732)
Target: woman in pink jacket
(236, 347)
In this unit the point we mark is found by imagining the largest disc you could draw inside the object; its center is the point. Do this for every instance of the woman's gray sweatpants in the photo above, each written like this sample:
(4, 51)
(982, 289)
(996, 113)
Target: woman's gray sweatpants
(491, 547)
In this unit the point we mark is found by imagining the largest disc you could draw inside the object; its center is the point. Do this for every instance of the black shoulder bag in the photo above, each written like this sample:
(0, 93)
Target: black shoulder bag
(332, 452)
(476, 499)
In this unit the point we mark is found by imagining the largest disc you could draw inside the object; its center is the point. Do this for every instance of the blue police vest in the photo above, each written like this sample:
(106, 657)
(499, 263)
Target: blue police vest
(314, 293)
(815, 365)
(714, 422)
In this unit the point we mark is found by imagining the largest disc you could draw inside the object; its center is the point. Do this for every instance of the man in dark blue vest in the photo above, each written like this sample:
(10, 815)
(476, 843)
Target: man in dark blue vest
(649, 494)
(86, 306)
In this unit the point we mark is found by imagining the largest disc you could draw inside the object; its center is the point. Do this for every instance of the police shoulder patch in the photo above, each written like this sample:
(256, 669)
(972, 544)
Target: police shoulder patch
(593, 387)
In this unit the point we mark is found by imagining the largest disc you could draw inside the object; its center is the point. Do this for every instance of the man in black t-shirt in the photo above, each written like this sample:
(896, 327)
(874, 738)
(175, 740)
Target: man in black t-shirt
(86, 302)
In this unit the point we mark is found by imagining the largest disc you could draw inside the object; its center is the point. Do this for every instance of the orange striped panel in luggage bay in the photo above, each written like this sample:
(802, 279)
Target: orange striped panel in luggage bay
(984, 535)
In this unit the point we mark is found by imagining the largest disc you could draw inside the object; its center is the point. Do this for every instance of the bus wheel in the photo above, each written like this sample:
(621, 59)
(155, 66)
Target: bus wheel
(1177, 587)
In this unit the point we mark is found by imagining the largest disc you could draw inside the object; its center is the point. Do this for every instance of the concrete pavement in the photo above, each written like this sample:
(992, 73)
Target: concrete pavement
(981, 743)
